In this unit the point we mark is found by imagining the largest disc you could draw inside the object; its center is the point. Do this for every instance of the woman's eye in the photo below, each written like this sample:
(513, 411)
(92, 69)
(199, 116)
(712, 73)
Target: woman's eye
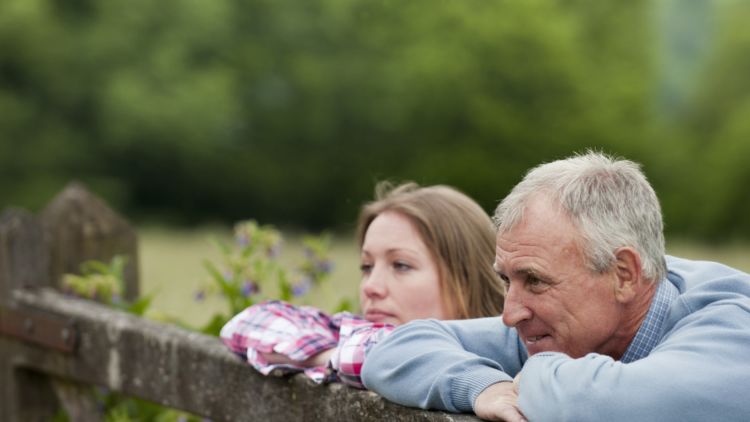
(365, 268)
(401, 266)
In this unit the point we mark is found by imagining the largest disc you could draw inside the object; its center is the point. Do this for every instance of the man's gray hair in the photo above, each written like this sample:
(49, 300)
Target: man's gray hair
(608, 199)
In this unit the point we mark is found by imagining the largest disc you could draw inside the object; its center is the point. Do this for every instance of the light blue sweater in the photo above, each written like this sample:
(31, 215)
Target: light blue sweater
(697, 367)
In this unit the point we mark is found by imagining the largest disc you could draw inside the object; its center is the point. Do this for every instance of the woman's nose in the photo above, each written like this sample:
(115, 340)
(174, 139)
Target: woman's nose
(374, 283)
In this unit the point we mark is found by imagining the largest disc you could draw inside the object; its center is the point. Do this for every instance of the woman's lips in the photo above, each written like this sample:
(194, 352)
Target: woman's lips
(376, 315)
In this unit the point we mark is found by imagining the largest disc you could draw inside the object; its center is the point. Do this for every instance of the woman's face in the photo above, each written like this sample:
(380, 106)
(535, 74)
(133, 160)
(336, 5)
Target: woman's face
(400, 278)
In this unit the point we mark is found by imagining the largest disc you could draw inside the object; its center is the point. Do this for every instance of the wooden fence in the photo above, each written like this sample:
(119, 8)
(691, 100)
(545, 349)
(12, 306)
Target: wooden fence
(54, 348)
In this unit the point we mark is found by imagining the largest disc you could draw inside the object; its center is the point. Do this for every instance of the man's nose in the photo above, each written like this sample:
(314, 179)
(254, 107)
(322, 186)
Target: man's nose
(515, 310)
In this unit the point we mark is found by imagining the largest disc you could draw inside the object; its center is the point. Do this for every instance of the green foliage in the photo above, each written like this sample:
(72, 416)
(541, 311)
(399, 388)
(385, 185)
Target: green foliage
(97, 280)
(249, 269)
(290, 111)
(127, 409)
(104, 283)
(713, 131)
(244, 275)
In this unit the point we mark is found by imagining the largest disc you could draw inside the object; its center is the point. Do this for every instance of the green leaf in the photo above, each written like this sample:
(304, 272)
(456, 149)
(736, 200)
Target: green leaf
(214, 325)
(140, 306)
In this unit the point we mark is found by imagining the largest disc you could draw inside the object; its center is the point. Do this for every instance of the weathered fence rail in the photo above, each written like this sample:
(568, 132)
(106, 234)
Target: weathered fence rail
(53, 347)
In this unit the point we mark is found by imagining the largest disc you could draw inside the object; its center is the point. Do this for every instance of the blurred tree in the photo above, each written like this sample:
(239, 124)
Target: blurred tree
(717, 129)
(287, 112)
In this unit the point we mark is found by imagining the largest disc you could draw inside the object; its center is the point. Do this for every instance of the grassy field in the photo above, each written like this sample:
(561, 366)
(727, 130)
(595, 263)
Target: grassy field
(172, 269)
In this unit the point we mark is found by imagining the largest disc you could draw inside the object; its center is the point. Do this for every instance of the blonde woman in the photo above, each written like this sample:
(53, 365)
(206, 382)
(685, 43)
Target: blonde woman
(425, 252)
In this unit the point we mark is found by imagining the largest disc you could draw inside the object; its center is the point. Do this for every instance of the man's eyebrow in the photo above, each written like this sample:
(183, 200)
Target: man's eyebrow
(531, 271)
(525, 271)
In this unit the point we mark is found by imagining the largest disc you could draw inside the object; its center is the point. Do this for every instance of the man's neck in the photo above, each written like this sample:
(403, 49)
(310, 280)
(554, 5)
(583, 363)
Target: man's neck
(634, 314)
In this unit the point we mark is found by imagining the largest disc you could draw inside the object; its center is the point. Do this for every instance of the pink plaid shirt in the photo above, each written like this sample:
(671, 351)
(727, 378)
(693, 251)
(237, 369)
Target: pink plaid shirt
(300, 332)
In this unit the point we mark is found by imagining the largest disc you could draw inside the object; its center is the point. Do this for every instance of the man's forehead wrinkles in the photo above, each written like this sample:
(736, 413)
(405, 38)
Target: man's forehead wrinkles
(520, 242)
(523, 271)
(510, 265)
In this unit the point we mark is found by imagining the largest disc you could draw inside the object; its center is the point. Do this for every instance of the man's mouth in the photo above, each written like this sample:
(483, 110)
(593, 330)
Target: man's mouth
(536, 344)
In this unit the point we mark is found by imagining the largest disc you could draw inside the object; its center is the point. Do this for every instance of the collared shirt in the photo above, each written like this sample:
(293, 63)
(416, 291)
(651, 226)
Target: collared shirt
(299, 333)
(650, 333)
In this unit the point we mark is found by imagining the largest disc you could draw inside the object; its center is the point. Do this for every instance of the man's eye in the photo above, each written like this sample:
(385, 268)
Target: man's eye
(536, 284)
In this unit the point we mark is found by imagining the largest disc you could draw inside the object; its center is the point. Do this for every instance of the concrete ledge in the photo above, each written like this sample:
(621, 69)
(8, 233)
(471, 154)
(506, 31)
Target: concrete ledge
(186, 370)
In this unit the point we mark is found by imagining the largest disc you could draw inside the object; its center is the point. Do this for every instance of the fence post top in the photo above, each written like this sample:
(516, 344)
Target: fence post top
(76, 204)
(13, 216)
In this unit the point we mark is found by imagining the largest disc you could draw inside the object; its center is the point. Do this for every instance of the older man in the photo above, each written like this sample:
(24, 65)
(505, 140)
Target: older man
(598, 324)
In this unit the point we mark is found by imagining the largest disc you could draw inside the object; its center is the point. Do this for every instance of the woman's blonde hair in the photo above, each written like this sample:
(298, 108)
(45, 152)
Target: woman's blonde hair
(459, 235)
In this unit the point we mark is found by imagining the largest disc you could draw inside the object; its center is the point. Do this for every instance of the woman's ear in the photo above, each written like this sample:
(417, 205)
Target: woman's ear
(628, 274)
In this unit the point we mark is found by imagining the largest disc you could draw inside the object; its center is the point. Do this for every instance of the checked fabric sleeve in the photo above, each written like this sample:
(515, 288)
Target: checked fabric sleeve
(297, 332)
(356, 337)
(300, 332)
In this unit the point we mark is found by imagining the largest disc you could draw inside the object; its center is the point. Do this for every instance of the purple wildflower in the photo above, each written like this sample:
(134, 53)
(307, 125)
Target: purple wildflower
(242, 239)
(274, 250)
(249, 288)
(301, 287)
(324, 266)
(200, 295)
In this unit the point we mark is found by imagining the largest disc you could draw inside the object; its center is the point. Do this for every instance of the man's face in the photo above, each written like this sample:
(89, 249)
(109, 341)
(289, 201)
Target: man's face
(554, 300)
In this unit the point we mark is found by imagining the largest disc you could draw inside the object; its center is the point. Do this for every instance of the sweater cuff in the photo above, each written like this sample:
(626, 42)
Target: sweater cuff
(467, 386)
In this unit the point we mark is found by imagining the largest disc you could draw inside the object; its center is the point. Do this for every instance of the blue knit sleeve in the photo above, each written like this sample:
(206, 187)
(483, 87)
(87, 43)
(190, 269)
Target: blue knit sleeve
(443, 364)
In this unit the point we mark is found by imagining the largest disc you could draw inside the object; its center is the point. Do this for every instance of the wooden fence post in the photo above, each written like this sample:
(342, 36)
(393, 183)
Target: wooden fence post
(80, 227)
(24, 262)
(74, 227)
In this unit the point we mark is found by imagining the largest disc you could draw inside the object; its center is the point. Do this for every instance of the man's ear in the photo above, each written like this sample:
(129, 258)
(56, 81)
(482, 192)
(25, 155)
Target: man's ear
(629, 277)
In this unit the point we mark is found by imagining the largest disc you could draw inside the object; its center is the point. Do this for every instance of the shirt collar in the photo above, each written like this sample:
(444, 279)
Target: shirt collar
(650, 332)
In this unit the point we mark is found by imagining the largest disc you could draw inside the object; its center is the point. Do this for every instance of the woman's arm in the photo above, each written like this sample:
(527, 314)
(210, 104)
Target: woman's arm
(321, 359)
(275, 336)
(355, 338)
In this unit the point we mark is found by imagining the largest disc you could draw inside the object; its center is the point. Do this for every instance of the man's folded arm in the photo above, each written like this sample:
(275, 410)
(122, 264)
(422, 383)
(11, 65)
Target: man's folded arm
(443, 364)
(699, 373)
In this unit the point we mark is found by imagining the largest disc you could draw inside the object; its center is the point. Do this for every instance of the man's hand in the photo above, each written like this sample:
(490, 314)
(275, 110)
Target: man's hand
(499, 402)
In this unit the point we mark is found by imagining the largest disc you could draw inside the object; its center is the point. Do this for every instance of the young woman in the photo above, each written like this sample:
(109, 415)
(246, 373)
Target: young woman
(426, 252)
